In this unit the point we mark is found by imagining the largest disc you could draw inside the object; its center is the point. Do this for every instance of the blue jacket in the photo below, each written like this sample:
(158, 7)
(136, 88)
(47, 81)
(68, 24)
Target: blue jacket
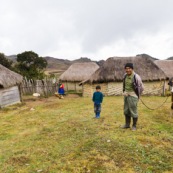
(97, 97)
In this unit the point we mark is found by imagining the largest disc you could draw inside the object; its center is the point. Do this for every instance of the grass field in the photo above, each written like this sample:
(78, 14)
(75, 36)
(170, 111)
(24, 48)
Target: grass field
(50, 135)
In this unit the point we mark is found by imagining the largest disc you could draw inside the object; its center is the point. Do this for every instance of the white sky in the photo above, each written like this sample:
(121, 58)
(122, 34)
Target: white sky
(97, 29)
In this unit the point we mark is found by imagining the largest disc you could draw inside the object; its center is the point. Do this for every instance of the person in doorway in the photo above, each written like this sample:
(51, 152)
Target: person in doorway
(97, 99)
(132, 90)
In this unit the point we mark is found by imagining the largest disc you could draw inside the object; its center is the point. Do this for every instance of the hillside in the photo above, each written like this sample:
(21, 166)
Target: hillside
(171, 58)
(147, 56)
(58, 66)
(55, 63)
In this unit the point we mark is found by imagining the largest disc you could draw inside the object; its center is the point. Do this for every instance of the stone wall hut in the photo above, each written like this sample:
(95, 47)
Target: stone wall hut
(167, 67)
(110, 76)
(9, 87)
(76, 73)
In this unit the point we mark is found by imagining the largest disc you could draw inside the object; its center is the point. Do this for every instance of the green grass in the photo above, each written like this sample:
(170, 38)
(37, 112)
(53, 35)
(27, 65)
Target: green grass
(62, 136)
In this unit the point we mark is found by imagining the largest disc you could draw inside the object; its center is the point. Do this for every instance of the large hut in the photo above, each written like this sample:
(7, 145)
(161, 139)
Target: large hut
(9, 87)
(110, 76)
(76, 73)
(167, 67)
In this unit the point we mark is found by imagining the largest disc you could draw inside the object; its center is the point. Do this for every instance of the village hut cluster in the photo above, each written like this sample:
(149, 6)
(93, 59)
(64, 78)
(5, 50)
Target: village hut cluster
(83, 77)
(110, 75)
(9, 87)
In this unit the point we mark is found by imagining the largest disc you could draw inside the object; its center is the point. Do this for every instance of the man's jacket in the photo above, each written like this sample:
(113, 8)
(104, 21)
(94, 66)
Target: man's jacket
(137, 84)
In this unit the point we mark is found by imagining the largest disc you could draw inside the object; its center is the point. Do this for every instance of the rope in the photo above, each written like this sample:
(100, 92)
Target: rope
(154, 108)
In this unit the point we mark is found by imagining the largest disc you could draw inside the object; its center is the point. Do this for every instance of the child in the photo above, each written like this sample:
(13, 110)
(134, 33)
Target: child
(61, 88)
(97, 99)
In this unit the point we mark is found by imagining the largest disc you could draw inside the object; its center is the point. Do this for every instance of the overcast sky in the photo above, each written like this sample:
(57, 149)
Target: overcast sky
(97, 29)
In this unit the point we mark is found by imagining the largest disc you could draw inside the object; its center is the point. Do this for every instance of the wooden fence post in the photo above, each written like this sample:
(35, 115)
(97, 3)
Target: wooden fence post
(171, 88)
(20, 92)
(44, 87)
(164, 86)
(172, 101)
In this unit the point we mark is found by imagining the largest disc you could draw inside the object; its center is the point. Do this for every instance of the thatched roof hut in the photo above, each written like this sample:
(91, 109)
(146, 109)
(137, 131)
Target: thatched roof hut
(110, 76)
(79, 71)
(9, 87)
(166, 66)
(113, 70)
(9, 78)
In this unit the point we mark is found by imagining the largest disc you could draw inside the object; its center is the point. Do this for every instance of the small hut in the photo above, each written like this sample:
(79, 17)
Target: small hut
(76, 73)
(9, 87)
(110, 76)
(167, 67)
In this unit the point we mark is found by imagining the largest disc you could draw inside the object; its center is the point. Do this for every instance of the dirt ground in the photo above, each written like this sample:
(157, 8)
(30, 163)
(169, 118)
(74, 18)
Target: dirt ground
(32, 101)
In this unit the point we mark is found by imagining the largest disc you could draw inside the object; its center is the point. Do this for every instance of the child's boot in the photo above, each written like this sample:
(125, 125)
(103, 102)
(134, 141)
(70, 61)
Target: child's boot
(98, 115)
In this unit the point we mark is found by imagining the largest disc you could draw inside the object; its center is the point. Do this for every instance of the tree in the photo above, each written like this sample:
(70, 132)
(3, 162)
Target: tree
(5, 62)
(30, 65)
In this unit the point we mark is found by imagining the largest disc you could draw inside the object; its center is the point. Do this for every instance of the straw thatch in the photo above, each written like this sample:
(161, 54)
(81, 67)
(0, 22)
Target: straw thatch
(9, 78)
(113, 70)
(79, 71)
(166, 66)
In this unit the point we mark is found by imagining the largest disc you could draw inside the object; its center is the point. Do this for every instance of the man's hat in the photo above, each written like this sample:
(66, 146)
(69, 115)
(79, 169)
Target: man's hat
(130, 65)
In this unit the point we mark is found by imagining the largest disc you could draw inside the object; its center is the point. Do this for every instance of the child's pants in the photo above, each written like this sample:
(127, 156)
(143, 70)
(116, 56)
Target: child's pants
(97, 109)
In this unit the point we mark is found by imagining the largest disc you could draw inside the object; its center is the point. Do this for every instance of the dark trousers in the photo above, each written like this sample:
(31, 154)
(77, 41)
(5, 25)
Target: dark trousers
(97, 109)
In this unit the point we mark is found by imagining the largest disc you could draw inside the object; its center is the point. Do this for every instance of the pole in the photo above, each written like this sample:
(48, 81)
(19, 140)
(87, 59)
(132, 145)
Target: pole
(171, 88)
(172, 100)
(172, 105)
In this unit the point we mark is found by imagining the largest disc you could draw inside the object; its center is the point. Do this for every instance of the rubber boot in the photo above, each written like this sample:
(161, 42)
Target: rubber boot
(134, 124)
(98, 115)
(127, 122)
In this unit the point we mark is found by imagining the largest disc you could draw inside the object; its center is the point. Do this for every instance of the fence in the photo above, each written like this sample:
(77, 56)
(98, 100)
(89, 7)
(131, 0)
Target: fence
(44, 87)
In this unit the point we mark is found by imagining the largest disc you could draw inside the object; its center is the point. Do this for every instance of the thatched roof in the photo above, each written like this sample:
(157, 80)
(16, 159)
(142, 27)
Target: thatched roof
(79, 71)
(166, 66)
(113, 69)
(9, 78)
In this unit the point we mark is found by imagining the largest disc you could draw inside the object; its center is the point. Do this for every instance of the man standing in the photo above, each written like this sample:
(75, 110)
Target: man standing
(132, 89)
